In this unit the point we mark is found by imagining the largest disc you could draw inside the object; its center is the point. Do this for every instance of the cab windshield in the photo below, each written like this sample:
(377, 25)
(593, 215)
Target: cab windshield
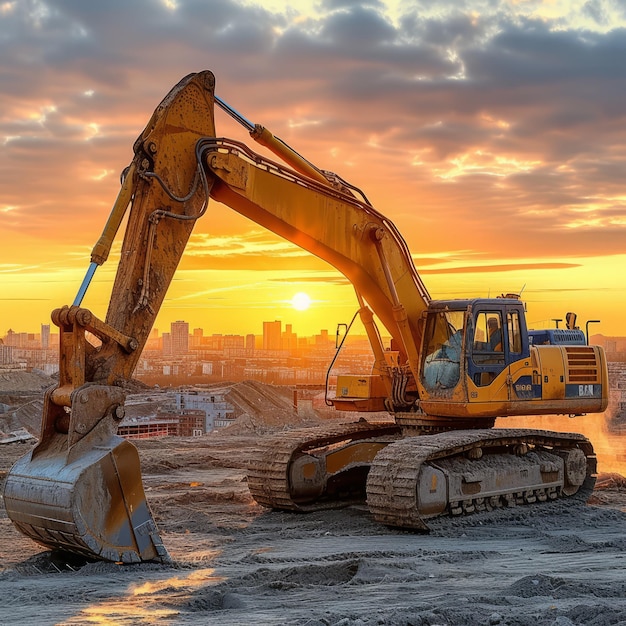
(441, 365)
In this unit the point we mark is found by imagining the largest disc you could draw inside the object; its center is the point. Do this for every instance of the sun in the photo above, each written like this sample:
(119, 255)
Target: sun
(301, 301)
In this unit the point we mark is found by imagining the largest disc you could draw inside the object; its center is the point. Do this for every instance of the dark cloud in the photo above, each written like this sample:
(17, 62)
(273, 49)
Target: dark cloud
(456, 30)
(331, 5)
(359, 28)
(596, 11)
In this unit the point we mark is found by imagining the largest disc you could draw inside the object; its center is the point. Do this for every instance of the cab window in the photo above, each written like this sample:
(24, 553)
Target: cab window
(488, 345)
(515, 334)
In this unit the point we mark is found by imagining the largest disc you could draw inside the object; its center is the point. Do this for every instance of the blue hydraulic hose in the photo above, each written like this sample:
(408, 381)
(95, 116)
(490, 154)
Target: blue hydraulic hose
(91, 270)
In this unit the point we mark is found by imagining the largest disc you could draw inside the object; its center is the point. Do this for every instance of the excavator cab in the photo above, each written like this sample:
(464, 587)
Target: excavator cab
(471, 342)
(442, 356)
(498, 337)
(480, 359)
(469, 347)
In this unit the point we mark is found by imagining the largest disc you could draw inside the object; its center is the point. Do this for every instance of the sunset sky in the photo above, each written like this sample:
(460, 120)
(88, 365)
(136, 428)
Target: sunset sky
(493, 134)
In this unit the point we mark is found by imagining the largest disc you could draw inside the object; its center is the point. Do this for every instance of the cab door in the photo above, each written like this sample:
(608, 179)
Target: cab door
(495, 343)
(486, 349)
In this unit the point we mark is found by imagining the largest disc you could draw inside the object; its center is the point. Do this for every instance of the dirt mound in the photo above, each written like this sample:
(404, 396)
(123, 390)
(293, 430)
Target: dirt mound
(18, 383)
(21, 400)
(27, 416)
(264, 408)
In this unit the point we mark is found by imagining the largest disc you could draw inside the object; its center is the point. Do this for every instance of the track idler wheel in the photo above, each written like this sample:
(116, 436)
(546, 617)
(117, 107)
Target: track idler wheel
(575, 469)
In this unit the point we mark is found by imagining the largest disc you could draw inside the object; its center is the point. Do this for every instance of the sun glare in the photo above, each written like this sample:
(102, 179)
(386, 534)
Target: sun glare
(301, 301)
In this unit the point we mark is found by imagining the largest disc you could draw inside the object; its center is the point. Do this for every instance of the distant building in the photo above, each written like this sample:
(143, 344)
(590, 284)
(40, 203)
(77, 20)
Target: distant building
(180, 337)
(195, 341)
(154, 341)
(45, 336)
(149, 427)
(12, 338)
(6, 354)
(218, 412)
(289, 339)
(250, 344)
(166, 339)
(322, 339)
(271, 335)
(183, 424)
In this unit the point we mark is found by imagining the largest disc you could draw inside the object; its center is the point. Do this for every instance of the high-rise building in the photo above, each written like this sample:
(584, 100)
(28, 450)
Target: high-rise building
(195, 341)
(167, 343)
(322, 339)
(271, 335)
(250, 344)
(180, 337)
(6, 353)
(154, 342)
(289, 338)
(45, 336)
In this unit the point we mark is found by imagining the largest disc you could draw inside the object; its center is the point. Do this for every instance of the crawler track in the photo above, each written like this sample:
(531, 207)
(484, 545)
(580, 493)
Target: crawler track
(268, 476)
(392, 484)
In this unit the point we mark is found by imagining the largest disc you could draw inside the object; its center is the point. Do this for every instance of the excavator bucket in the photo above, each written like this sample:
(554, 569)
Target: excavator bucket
(85, 495)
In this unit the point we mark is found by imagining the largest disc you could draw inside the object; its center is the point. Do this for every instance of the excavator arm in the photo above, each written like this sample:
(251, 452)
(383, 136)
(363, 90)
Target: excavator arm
(167, 192)
(80, 488)
(179, 164)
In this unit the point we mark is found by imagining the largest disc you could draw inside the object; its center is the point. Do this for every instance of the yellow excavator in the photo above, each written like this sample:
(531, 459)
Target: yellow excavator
(452, 367)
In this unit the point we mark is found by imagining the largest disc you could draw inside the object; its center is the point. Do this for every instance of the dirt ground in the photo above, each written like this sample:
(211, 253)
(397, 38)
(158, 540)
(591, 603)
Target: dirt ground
(237, 563)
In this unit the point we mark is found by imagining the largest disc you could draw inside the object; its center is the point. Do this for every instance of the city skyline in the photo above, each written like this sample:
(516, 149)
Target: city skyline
(288, 328)
(278, 355)
(490, 134)
(48, 336)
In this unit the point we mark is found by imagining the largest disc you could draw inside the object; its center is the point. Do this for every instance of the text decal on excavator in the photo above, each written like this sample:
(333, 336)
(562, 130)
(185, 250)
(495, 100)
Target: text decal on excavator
(525, 390)
(583, 391)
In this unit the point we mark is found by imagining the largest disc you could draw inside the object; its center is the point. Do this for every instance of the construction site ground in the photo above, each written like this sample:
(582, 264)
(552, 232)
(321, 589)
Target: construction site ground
(234, 562)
